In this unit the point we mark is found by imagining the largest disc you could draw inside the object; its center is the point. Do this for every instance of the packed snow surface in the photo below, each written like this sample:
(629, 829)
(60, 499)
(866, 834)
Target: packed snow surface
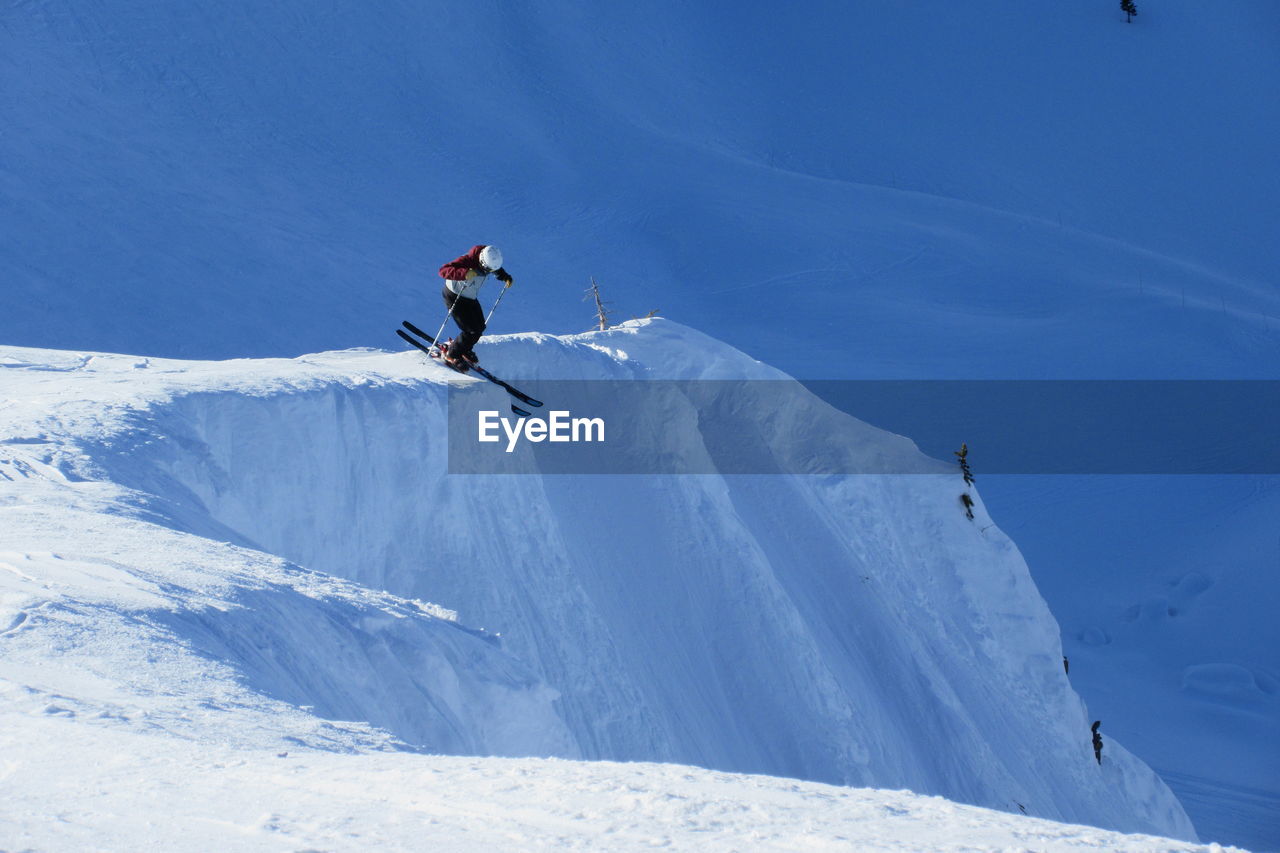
(118, 790)
(239, 554)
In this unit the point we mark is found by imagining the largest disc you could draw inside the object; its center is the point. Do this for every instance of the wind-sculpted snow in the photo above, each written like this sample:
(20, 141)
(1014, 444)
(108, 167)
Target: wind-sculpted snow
(116, 615)
(857, 630)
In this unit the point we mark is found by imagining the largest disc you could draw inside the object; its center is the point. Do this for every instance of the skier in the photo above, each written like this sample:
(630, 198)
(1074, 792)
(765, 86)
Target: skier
(463, 278)
(1097, 740)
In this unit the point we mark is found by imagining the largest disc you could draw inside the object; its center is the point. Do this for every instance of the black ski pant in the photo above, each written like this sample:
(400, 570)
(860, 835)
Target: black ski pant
(469, 316)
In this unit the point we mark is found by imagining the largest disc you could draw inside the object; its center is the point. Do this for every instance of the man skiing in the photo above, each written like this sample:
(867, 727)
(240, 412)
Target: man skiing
(463, 278)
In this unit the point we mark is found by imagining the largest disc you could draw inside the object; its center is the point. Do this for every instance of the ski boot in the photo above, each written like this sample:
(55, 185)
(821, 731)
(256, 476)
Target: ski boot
(461, 363)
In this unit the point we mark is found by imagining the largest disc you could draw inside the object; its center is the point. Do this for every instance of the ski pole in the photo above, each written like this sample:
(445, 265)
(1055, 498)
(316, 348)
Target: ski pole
(495, 303)
(436, 344)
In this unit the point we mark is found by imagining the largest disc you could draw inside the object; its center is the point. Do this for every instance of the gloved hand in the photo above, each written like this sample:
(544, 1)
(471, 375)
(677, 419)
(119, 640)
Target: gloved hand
(505, 277)
(470, 275)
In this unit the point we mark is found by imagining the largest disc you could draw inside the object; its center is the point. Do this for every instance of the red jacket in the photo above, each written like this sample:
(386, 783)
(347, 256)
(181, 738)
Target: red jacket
(456, 270)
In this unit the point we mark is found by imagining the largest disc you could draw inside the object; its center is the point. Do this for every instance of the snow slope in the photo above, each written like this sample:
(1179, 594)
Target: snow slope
(110, 785)
(113, 613)
(857, 630)
(1167, 626)
(950, 190)
(961, 191)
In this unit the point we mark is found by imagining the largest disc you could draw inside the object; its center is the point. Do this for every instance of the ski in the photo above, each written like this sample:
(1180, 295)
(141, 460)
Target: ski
(417, 343)
(516, 410)
(514, 392)
(431, 342)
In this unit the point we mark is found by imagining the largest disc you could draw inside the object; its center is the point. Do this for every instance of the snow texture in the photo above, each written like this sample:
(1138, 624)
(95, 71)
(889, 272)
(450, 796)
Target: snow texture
(119, 790)
(897, 190)
(851, 630)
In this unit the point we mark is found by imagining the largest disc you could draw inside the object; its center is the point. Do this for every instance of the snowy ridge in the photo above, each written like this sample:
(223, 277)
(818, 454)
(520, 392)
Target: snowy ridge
(854, 630)
(953, 190)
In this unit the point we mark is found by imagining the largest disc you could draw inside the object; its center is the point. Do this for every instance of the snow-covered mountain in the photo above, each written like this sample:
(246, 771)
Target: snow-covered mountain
(919, 190)
(176, 532)
(951, 190)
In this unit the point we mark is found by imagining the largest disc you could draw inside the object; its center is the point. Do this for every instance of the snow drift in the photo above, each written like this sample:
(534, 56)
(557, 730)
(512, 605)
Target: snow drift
(856, 630)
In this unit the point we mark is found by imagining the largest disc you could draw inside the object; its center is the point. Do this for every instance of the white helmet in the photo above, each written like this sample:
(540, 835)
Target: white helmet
(491, 258)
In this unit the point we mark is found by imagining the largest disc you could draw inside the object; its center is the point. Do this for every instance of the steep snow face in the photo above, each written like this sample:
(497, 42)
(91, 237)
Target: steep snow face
(121, 608)
(856, 629)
